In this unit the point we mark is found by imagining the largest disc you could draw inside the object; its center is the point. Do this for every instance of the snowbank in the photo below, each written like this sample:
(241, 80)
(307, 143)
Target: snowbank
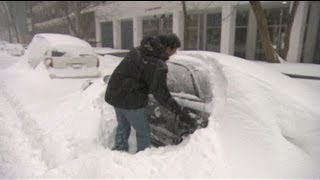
(269, 123)
(263, 125)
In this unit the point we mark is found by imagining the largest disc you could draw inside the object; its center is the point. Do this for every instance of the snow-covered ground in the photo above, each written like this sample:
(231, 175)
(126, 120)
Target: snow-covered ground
(263, 124)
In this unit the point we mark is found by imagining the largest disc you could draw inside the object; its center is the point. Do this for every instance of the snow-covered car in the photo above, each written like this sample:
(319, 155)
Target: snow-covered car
(189, 84)
(64, 56)
(14, 49)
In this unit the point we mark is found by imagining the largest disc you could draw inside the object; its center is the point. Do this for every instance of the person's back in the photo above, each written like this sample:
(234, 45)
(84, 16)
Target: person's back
(130, 82)
(141, 72)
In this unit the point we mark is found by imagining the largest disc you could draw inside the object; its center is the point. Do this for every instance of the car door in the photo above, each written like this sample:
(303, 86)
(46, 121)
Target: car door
(182, 86)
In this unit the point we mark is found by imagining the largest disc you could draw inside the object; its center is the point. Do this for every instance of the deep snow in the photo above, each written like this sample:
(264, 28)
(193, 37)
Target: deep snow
(263, 124)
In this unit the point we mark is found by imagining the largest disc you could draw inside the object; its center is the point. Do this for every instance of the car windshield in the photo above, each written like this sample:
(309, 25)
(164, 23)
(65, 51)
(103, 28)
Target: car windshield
(204, 84)
(179, 80)
(72, 50)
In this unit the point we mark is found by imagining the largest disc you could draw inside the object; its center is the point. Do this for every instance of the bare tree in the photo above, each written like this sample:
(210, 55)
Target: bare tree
(79, 23)
(5, 11)
(11, 20)
(289, 27)
(271, 54)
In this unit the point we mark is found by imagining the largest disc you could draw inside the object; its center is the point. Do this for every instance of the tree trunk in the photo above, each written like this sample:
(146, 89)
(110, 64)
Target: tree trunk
(77, 19)
(269, 51)
(289, 27)
(8, 20)
(15, 28)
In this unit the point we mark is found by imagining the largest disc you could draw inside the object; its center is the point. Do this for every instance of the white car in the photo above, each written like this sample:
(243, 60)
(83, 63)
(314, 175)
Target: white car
(15, 49)
(64, 56)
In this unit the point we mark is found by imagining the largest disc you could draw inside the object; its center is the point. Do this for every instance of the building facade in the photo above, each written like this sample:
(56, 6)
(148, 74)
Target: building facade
(219, 26)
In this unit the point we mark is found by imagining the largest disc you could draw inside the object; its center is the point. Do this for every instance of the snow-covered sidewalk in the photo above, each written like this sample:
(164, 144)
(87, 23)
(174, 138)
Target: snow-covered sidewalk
(20, 153)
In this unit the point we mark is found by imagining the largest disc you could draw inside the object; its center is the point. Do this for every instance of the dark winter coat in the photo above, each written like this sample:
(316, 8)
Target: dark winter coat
(141, 72)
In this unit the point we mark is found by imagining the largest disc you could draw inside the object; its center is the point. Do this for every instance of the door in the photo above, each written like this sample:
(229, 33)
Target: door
(127, 34)
(107, 34)
(166, 128)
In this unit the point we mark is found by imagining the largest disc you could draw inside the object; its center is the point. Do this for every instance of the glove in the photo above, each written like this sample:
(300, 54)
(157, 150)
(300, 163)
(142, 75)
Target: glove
(190, 124)
(185, 117)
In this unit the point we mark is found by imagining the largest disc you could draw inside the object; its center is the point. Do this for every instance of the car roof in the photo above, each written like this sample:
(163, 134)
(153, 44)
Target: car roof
(187, 61)
(61, 39)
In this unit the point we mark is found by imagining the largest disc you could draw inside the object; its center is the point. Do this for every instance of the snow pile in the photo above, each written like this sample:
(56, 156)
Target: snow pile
(269, 126)
(7, 60)
(295, 68)
(263, 124)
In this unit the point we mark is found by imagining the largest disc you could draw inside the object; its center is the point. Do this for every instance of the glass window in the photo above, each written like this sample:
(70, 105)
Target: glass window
(57, 53)
(241, 33)
(150, 27)
(107, 34)
(240, 42)
(214, 32)
(273, 16)
(214, 20)
(242, 18)
(213, 39)
(157, 26)
(203, 81)
(179, 80)
(166, 25)
(277, 23)
(127, 34)
(192, 42)
(193, 20)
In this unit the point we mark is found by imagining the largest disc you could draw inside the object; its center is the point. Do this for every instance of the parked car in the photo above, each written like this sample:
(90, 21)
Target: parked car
(189, 84)
(14, 49)
(63, 55)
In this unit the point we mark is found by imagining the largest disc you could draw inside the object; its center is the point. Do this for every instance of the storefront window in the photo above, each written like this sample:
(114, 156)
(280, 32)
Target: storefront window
(127, 34)
(192, 33)
(241, 33)
(213, 32)
(277, 23)
(157, 26)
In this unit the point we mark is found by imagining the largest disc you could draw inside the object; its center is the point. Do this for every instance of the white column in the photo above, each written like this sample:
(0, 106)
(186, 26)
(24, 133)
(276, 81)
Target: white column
(178, 26)
(98, 32)
(116, 25)
(311, 34)
(251, 36)
(137, 31)
(228, 29)
(297, 32)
